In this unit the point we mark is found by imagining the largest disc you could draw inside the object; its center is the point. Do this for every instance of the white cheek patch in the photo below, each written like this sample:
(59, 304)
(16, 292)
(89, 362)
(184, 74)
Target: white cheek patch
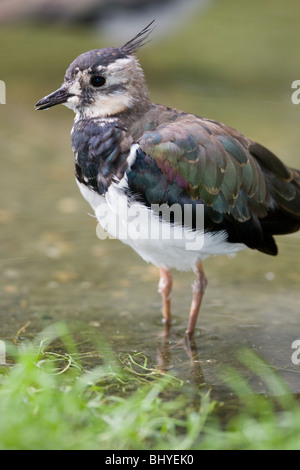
(103, 105)
(72, 102)
(111, 104)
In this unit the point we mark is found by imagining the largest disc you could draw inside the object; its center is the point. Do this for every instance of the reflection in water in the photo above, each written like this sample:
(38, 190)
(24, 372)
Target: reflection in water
(188, 345)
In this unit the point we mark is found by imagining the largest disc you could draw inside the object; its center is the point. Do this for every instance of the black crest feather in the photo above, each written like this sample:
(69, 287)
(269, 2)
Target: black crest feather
(138, 41)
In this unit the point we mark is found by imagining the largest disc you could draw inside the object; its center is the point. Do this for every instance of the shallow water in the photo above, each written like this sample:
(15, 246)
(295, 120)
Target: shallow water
(53, 267)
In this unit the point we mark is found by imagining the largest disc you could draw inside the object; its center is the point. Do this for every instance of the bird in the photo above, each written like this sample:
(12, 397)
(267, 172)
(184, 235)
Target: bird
(201, 186)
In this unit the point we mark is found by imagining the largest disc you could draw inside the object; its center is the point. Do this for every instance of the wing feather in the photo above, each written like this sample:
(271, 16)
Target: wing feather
(246, 189)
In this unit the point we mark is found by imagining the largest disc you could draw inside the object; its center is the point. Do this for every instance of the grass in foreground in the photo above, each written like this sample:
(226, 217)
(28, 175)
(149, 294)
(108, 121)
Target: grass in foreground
(49, 401)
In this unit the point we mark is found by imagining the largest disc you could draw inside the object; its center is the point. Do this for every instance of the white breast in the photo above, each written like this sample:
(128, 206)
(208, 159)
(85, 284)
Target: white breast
(154, 240)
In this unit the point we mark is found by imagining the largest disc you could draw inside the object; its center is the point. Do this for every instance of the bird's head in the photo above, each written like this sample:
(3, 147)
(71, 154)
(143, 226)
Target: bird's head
(103, 82)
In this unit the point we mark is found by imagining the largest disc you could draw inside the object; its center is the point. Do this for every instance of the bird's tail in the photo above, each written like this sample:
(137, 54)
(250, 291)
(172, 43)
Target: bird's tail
(283, 184)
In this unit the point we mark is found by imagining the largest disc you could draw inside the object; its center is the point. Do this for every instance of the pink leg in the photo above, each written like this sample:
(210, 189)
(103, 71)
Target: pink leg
(199, 286)
(165, 288)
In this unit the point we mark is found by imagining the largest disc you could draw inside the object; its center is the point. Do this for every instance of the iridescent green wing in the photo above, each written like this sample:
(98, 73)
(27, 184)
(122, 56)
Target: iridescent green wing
(210, 164)
(246, 190)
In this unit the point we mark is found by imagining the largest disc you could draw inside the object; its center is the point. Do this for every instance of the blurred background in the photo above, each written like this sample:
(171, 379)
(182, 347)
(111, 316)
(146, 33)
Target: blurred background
(227, 60)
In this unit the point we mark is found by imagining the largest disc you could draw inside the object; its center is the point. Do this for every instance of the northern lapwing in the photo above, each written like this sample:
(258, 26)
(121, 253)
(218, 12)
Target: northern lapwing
(134, 160)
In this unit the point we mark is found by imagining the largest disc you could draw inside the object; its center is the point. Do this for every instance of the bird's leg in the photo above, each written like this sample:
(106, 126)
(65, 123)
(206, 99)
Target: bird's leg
(165, 288)
(199, 286)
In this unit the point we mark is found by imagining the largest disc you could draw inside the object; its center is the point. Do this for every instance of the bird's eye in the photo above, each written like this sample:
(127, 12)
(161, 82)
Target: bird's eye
(97, 80)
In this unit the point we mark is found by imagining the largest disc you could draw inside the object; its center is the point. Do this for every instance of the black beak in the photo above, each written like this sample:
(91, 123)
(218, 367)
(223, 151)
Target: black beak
(57, 97)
